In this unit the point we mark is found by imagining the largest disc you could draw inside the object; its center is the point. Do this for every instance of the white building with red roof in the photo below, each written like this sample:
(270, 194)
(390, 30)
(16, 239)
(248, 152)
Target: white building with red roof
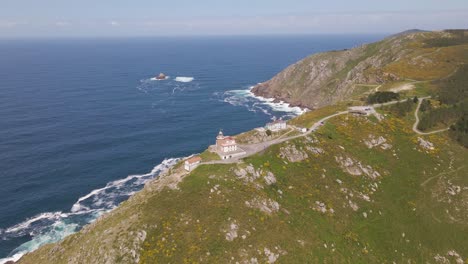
(191, 163)
(276, 125)
(227, 147)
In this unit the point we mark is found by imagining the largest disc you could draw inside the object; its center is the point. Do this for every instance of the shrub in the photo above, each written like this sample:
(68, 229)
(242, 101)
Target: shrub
(382, 97)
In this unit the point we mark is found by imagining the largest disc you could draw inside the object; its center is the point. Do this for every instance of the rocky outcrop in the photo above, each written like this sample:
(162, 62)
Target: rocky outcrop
(291, 153)
(326, 78)
(267, 206)
(356, 168)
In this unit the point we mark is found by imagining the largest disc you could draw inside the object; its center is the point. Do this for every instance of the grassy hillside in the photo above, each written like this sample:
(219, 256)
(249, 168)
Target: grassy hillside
(327, 78)
(357, 191)
(449, 106)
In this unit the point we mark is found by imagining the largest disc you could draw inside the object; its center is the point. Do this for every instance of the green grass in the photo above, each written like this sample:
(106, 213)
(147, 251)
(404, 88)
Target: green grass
(411, 217)
(311, 117)
(209, 156)
(188, 224)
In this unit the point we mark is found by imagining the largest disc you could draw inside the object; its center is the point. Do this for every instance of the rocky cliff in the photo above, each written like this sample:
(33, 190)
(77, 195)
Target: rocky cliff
(358, 190)
(326, 78)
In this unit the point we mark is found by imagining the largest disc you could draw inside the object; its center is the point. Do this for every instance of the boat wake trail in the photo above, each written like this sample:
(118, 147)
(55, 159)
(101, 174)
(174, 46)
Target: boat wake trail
(51, 227)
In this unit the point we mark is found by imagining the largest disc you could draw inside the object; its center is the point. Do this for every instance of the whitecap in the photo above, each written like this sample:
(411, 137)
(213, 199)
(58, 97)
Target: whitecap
(268, 106)
(184, 79)
(156, 79)
(57, 231)
(51, 227)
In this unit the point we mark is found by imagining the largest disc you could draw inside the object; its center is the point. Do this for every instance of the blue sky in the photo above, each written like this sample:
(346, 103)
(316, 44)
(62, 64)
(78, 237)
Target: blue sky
(91, 18)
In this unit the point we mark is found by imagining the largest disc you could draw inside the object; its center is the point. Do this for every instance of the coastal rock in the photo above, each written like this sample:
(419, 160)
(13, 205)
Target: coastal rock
(270, 178)
(356, 168)
(315, 150)
(425, 144)
(291, 153)
(268, 206)
(231, 232)
(327, 78)
(374, 141)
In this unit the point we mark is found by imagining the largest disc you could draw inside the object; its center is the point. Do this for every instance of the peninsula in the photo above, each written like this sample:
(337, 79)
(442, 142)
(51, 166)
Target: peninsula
(375, 174)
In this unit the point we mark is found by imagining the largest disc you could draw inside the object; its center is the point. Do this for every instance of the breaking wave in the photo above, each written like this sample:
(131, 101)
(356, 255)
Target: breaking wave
(184, 79)
(156, 79)
(51, 227)
(248, 99)
(168, 88)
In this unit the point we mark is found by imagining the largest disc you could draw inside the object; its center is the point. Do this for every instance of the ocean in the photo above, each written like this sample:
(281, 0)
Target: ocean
(84, 125)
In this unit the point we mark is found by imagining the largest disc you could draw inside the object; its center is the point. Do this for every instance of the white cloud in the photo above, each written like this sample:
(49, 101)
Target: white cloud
(62, 24)
(376, 22)
(114, 23)
(11, 24)
(312, 23)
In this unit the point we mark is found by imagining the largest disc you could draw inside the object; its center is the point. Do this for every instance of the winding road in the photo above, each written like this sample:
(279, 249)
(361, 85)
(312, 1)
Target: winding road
(415, 126)
(252, 149)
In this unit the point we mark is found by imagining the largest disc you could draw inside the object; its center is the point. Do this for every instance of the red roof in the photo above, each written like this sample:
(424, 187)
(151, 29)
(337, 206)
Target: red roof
(194, 159)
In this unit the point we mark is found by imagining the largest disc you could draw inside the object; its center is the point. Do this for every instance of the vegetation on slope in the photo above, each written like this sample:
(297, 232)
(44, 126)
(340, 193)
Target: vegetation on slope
(357, 191)
(327, 78)
(382, 97)
(450, 107)
(402, 109)
(456, 37)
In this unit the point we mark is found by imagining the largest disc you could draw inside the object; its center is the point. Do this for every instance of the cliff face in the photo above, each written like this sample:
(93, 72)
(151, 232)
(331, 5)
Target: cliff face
(326, 78)
(358, 191)
(336, 196)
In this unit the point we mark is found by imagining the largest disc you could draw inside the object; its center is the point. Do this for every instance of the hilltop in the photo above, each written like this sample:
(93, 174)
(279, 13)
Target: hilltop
(327, 78)
(356, 189)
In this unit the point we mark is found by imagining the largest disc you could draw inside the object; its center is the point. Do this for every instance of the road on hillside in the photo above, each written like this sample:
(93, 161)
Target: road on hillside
(256, 148)
(415, 126)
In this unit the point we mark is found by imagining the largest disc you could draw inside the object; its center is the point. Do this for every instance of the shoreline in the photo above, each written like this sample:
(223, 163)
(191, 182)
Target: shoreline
(159, 172)
(278, 103)
(247, 98)
(63, 224)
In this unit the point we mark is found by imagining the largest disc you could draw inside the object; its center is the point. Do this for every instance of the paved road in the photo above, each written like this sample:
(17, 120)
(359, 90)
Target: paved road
(415, 126)
(256, 148)
(252, 149)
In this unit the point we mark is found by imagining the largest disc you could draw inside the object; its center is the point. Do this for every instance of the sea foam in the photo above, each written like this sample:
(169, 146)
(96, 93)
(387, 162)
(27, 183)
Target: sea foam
(184, 79)
(268, 106)
(51, 227)
(156, 79)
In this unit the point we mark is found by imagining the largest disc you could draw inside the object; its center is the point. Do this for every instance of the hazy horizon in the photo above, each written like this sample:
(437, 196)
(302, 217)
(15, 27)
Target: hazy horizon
(146, 18)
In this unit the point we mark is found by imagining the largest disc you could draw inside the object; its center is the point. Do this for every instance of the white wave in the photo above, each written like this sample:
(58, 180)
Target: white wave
(26, 224)
(58, 231)
(278, 106)
(156, 79)
(255, 103)
(13, 258)
(53, 226)
(184, 79)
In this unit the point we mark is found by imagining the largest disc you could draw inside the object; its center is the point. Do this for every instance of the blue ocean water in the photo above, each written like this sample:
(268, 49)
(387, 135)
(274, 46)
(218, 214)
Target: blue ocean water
(80, 115)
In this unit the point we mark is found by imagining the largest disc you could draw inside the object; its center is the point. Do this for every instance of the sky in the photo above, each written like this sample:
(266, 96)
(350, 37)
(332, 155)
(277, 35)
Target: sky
(125, 18)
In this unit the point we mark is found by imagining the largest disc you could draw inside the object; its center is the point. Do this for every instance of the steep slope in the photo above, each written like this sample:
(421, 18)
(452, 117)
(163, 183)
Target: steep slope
(326, 78)
(356, 191)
